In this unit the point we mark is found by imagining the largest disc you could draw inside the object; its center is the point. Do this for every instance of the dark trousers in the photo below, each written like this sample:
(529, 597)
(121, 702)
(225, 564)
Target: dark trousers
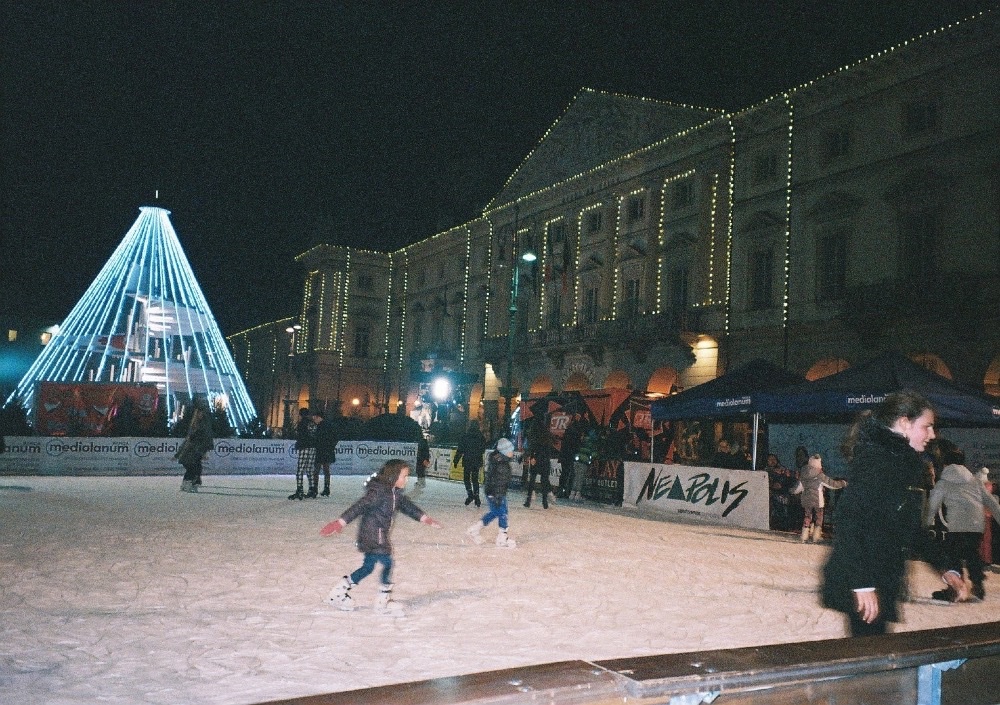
(963, 547)
(192, 471)
(566, 472)
(471, 477)
(539, 470)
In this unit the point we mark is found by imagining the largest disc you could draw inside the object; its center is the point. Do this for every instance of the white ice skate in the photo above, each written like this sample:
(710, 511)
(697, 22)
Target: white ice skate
(384, 604)
(505, 541)
(473, 532)
(340, 596)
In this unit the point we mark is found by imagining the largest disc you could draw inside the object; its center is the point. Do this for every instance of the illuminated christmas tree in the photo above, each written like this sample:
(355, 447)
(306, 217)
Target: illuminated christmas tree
(144, 319)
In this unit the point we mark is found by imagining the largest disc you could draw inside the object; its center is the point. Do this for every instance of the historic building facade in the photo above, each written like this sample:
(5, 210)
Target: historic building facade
(850, 215)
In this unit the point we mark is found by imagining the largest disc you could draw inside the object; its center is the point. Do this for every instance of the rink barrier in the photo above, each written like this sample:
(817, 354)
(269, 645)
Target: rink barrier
(949, 666)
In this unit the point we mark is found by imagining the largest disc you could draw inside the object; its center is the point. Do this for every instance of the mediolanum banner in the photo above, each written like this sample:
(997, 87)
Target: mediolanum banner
(38, 455)
(734, 497)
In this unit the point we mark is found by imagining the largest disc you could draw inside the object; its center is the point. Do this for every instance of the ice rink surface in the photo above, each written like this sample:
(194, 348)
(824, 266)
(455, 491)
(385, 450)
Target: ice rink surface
(124, 590)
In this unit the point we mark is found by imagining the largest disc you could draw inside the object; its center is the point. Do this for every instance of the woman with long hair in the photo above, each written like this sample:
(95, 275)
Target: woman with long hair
(879, 515)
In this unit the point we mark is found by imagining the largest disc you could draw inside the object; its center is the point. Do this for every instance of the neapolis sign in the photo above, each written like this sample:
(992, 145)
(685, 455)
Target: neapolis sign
(34, 455)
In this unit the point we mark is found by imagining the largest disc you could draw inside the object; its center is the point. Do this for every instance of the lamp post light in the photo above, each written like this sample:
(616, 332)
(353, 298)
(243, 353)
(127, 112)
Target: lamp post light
(292, 334)
(508, 390)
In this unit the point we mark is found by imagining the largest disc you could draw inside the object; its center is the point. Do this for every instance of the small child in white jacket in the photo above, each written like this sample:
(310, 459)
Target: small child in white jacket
(812, 480)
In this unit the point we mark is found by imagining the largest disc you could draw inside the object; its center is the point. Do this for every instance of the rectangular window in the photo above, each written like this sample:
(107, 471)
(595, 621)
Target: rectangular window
(11, 335)
(557, 232)
(636, 208)
(366, 282)
(919, 230)
(836, 144)
(683, 194)
(362, 335)
(595, 221)
(765, 168)
(920, 117)
(555, 310)
(677, 283)
(630, 299)
(831, 263)
(761, 271)
(590, 306)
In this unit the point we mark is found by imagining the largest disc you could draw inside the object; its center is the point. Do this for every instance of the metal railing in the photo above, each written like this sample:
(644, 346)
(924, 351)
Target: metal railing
(951, 666)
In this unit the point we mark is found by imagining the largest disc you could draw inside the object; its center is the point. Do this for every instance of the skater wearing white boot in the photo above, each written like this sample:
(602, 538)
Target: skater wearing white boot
(382, 499)
(498, 474)
(812, 480)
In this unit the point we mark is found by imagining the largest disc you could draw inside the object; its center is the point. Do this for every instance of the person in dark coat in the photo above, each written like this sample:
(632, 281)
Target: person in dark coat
(538, 454)
(326, 451)
(196, 445)
(471, 448)
(377, 508)
(305, 446)
(497, 480)
(423, 461)
(568, 448)
(878, 517)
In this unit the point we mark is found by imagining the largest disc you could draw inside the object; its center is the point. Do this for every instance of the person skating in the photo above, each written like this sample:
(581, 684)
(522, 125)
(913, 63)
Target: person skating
(470, 452)
(498, 475)
(305, 446)
(196, 445)
(963, 496)
(812, 480)
(383, 497)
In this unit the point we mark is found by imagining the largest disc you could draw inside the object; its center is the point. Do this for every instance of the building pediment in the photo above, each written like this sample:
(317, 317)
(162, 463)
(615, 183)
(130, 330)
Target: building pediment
(596, 128)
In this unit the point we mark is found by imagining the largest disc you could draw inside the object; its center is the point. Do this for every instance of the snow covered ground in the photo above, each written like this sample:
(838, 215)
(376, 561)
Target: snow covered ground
(125, 590)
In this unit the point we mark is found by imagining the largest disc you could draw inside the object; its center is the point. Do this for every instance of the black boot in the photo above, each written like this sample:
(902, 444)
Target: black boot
(297, 494)
(478, 501)
(469, 499)
(326, 489)
(311, 494)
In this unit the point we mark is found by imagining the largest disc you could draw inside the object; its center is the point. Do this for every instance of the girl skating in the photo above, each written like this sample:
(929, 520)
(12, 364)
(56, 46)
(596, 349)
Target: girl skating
(498, 474)
(377, 508)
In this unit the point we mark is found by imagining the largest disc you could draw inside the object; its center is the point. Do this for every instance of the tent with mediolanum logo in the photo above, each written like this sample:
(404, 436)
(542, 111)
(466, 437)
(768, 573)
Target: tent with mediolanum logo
(861, 387)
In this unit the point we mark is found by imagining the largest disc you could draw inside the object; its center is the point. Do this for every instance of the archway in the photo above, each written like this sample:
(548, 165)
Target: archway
(826, 366)
(930, 361)
(541, 385)
(617, 380)
(662, 381)
(576, 382)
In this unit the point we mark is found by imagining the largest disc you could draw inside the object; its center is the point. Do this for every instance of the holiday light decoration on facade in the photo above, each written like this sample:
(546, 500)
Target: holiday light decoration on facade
(145, 319)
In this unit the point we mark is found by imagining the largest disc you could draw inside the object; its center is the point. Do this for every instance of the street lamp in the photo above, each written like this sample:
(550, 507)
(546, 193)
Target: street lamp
(292, 333)
(508, 391)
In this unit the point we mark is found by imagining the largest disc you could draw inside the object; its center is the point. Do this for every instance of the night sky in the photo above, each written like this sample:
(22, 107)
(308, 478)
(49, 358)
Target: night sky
(270, 126)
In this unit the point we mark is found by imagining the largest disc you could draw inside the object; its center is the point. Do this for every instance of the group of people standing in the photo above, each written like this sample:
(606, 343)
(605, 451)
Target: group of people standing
(316, 447)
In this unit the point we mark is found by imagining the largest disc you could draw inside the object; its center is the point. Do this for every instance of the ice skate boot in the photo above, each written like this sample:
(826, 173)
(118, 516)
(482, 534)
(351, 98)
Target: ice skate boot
(505, 541)
(187, 486)
(326, 489)
(340, 596)
(384, 604)
(473, 532)
(806, 531)
(311, 494)
(957, 583)
(817, 533)
(297, 494)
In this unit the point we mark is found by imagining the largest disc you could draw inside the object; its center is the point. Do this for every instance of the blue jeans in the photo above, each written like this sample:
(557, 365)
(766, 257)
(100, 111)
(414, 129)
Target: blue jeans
(369, 565)
(498, 511)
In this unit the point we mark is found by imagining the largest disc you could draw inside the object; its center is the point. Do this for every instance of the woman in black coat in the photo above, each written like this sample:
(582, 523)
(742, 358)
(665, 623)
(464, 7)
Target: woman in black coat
(878, 517)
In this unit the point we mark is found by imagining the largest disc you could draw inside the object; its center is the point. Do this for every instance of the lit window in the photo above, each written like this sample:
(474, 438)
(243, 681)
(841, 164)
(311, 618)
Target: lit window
(11, 335)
